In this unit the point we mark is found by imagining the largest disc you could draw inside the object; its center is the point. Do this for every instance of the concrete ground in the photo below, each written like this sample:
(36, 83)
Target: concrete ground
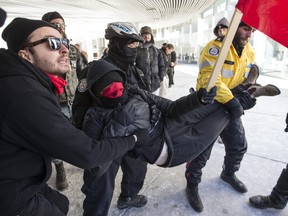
(165, 188)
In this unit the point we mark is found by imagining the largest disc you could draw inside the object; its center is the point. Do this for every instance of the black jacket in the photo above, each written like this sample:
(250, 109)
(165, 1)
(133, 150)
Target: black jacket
(134, 113)
(151, 62)
(83, 100)
(33, 129)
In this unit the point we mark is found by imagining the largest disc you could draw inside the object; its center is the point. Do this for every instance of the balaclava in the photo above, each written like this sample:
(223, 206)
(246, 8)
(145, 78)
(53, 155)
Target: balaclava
(121, 54)
(109, 89)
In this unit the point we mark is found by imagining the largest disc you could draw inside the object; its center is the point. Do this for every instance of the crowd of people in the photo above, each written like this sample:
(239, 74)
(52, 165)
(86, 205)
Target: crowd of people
(111, 113)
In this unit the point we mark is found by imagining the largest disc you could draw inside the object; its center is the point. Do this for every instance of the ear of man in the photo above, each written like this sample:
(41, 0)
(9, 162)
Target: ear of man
(25, 55)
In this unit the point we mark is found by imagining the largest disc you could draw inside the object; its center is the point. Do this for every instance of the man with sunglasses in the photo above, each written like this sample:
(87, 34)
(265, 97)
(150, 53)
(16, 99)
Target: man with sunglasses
(67, 97)
(33, 129)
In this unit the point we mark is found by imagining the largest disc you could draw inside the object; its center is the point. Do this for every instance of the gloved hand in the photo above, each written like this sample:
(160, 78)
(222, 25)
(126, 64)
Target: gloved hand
(155, 115)
(286, 129)
(246, 100)
(142, 138)
(205, 97)
(235, 109)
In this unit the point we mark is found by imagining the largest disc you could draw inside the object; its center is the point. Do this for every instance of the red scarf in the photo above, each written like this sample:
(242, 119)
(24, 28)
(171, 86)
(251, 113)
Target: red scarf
(114, 90)
(58, 82)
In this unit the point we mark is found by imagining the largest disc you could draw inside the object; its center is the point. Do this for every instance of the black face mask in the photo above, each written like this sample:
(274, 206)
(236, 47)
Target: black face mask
(130, 53)
(112, 103)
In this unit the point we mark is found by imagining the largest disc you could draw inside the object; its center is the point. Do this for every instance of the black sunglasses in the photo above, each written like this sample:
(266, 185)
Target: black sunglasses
(54, 43)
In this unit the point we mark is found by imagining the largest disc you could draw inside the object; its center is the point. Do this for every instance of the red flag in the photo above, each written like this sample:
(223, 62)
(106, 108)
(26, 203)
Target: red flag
(268, 16)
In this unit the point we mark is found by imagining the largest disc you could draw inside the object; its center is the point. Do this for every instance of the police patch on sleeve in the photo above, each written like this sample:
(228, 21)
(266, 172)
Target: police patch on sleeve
(82, 86)
(213, 51)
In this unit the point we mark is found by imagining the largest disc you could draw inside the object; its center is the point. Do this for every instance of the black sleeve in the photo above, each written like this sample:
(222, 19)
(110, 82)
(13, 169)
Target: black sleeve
(46, 131)
(82, 101)
(167, 107)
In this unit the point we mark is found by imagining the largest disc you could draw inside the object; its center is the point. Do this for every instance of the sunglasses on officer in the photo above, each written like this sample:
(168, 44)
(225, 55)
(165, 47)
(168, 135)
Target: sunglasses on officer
(54, 43)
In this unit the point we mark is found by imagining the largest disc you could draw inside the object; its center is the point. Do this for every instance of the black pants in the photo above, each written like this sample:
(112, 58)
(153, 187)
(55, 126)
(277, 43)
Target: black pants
(279, 193)
(170, 73)
(99, 190)
(46, 203)
(233, 137)
(195, 131)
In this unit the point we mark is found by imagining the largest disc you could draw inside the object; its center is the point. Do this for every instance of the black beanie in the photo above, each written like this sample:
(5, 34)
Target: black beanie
(105, 81)
(3, 16)
(243, 24)
(17, 32)
(52, 15)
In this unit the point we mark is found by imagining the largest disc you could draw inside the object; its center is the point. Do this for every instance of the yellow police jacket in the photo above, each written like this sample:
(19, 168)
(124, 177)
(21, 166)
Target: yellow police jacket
(233, 72)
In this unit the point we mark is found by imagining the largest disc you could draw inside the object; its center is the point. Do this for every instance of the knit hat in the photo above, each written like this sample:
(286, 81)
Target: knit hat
(3, 16)
(52, 15)
(17, 32)
(105, 81)
(145, 30)
(223, 23)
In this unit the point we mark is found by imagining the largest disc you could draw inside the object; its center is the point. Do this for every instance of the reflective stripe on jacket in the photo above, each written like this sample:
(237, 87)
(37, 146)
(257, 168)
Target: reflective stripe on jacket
(234, 71)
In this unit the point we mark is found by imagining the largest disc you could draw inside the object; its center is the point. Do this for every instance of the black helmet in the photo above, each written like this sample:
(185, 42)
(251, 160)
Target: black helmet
(122, 30)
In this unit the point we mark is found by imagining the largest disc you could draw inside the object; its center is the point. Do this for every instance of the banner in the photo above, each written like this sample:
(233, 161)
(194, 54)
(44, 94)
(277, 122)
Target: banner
(267, 16)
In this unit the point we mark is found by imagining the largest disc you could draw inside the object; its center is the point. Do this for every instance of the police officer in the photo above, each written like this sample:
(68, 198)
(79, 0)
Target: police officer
(234, 71)
(221, 28)
(123, 42)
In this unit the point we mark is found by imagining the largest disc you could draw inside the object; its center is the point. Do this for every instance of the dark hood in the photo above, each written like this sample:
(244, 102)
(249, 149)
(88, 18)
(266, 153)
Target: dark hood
(98, 69)
(13, 65)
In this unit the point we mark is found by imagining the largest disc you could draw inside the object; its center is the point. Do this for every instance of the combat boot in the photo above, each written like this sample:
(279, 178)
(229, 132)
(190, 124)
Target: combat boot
(268, 90)
(194, 198)
(234, 182)
(263, 202)
(131, 201)
(253, 75)
(61, 181)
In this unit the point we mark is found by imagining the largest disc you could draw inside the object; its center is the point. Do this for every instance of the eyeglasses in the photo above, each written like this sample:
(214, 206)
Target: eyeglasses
(54, 43)
(59, 25)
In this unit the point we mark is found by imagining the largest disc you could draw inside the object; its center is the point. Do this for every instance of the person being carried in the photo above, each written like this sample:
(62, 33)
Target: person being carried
(184, 127)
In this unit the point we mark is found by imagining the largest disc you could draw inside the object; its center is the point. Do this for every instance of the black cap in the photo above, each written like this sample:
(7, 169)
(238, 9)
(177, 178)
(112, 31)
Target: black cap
(243, 24)
(2, 17)
(52, 15)
(17, 32)
(105, 81)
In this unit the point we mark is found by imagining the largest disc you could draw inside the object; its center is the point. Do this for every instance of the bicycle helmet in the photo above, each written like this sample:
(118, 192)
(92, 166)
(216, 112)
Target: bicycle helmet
(122, 30)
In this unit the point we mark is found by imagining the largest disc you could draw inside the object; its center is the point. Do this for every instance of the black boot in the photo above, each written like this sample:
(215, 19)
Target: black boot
(134, 201)
(279, 193)
(263, 202)
(234, 182)
(194, 198)
(61, 181)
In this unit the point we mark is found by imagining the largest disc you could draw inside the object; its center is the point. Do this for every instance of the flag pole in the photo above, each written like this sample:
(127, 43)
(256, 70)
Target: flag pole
(236, 18)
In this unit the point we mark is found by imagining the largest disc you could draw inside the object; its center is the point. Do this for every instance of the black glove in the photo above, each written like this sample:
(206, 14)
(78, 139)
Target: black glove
(238, 90)
(205, 97)
(141, 140)
(286, 129)
(246, 100)
(235, 109)
(155, 115)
